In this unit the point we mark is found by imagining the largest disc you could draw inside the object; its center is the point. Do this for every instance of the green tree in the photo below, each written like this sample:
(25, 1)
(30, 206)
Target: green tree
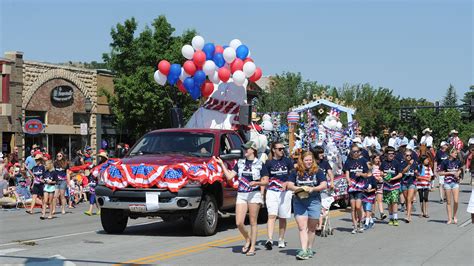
(139, 103)
(451, 98)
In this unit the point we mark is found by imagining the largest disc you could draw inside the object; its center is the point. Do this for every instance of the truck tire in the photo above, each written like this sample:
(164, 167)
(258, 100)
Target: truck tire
(113, 221)
(204, 220)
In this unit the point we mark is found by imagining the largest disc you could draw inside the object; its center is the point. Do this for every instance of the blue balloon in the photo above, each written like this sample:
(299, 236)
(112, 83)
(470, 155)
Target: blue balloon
(199, 78)
(175, 71)
(172, 79)
(219, 60)
(195, 92)
(242, 51)
(209, 49)
(189, 84)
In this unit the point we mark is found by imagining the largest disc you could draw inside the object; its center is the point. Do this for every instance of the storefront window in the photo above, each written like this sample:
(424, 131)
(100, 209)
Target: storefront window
(79, 118)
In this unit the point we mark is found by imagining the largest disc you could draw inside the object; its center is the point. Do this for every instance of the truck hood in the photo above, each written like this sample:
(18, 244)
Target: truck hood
(164, 159)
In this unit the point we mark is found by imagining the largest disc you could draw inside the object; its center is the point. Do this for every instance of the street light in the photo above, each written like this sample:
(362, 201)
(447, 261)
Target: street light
(88, 107)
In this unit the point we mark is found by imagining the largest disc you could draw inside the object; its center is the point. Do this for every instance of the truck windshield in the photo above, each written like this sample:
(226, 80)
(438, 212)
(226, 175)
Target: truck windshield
(194, 144)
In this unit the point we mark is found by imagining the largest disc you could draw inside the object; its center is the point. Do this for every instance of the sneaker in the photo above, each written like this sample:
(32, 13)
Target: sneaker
(441, 201)
(97, 213)
(281, 243)
(360, 230)
(383, 216)
(371, 225)
(88, 213)
(366, 226)
(302, 255)
(354, 231)
(310, 252)
(390, 222)
(395, 222)
(269, 245)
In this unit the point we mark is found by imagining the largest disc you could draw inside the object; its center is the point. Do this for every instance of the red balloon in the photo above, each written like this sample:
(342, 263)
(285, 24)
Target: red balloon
(199, 58)
(256, 75)
(164, 67)
(248, 59)
(238, 64)
(207, 88)
(181, 87)
(189, 67)
(224, 74)
(219, 49)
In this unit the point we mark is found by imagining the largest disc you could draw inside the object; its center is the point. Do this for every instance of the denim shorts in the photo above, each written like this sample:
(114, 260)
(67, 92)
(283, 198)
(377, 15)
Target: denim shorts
(367, 206)
(61, 185)
(92, 199)
(310, 207)
(405, 187)
(356, 195)
(451, 185)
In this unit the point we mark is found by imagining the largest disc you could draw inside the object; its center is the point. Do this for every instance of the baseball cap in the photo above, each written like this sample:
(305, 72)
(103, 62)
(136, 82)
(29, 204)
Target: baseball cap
(250, 144)
(444, 143)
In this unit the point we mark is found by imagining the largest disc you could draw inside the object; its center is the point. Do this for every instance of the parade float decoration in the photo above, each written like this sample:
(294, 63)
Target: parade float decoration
(218, 75)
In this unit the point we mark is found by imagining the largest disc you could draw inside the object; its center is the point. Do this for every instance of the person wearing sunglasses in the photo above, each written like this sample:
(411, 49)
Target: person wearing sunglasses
(356, 169)
(408, 186)
(391, 171)
(278, 199)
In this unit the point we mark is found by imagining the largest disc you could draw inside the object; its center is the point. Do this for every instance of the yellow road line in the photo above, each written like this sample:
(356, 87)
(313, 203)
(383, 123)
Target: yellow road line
(204, 246)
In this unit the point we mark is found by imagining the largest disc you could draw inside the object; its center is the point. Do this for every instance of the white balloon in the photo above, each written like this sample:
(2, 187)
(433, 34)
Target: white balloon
(238, 77)
(183, 75)
(187, 51)
(229, 54)
(249, 68)
(214, 77)
(209, 67)
(159, 78)
(249, 54)
(235, 43)
(198, 42)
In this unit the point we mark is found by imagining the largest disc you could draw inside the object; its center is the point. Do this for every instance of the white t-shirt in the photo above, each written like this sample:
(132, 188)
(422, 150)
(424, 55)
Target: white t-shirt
(392, 141)
(428, 140)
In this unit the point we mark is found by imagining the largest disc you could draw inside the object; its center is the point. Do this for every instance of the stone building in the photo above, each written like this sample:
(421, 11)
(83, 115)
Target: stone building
(46, 104)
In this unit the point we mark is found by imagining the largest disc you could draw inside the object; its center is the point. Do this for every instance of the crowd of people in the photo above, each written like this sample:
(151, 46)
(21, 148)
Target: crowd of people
(379, 177)
(43, 181)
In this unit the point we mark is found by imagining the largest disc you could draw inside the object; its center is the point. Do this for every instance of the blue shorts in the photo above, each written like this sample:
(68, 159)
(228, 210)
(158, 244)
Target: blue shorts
(310, 207)
(405, 187)
(356, 195)
(451, 185)
(61, 185)
(367, 206)
(92, 199)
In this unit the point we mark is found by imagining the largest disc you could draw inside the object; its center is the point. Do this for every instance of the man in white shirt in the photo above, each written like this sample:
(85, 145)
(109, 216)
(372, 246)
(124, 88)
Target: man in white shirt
(371, 141)
(427, 138)
(393, 139)
(400, 139)
(413, 143)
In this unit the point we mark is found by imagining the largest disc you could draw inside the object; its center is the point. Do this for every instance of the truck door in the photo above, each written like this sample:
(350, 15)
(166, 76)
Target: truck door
(229, 193)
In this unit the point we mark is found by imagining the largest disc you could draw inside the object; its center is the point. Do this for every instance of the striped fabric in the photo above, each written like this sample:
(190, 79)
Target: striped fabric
(423, 180)
(226, 107)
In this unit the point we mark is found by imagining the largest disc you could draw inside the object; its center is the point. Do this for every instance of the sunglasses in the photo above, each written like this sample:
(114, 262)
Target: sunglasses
(279, 149)
(357, 151)
(390, 153)
(407, 155)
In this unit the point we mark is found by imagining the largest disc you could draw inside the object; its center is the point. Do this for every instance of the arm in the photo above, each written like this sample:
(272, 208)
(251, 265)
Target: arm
(263, 182)
(396, 177)
(322, 186)
(229, 174)
(331, 178)
(291, 186)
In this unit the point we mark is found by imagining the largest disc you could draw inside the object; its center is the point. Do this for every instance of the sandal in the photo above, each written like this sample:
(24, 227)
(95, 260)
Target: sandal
(245, 248)
(29, 212)
(42, 218)
(250, 253)
(50, 217)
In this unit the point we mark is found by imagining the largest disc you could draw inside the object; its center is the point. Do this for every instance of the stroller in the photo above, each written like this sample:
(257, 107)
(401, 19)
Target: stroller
(326, 202)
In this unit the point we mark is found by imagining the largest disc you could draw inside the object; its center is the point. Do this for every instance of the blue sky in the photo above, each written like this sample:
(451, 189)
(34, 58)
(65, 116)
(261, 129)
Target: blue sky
(414, 47)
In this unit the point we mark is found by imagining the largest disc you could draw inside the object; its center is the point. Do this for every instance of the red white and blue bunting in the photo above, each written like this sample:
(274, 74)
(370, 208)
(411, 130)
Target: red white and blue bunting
(117, 175)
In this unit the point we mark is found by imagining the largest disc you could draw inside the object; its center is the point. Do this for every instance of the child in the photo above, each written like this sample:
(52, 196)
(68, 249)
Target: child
(377, 173)
(368, 199)
(423, 184)
(50, 178)
(92, 199)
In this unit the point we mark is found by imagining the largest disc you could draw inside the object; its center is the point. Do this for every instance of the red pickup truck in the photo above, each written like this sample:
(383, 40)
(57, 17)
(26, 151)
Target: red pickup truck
(196, 202)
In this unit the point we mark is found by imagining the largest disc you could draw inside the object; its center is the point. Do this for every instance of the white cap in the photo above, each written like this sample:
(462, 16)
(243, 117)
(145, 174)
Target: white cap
(471, 141)
(454, 131)
(443, 143)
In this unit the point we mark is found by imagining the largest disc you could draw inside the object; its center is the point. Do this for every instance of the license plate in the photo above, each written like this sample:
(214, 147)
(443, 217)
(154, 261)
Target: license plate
(137, 208)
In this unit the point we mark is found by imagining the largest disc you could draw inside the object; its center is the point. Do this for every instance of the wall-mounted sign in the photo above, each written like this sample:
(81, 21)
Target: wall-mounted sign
(62, 94)
(33, 127)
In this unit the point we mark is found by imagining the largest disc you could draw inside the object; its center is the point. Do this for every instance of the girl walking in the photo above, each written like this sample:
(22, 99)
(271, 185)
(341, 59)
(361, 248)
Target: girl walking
(61, 166)
(451, 170)
(307, 182)
(423, 183)
(37, 173)
(251, 175)
(50, 179)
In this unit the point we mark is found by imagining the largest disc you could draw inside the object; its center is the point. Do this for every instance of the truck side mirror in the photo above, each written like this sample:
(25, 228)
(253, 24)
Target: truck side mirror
(232, 155)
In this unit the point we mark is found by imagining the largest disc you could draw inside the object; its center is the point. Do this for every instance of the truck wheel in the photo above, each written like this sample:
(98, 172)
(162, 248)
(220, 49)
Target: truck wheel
(204, 221)
(113, 221)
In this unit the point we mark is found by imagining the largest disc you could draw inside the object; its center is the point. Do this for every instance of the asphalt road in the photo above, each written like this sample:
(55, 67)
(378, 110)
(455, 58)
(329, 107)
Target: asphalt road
(77, 239)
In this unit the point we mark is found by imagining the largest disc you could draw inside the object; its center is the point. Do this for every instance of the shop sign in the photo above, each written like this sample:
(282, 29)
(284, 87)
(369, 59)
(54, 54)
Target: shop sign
(33, 127)
(62, 94)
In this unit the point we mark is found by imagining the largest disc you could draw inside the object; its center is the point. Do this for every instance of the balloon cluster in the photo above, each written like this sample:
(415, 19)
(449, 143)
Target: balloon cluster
(218, 63)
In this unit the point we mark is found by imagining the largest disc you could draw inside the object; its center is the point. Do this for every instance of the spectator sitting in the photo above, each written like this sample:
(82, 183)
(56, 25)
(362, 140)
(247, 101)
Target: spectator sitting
(22, 192)
(6, 195)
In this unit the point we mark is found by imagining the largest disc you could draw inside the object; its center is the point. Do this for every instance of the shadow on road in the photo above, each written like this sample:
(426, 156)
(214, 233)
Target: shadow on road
(343, 229)
(290, 252)
(179, 228)
(437, 221)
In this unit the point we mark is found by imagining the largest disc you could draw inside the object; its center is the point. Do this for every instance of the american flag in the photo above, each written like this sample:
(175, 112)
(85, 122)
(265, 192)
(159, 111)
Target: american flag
(335, 112)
